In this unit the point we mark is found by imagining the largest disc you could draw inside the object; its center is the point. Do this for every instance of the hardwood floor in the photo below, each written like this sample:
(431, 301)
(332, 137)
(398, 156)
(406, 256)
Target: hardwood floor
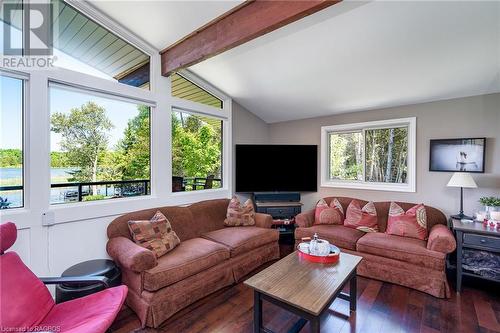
(382, 308)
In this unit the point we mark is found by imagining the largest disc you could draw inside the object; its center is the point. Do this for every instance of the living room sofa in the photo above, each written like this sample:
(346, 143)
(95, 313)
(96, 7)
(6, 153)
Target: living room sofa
(209, 257)
(409, 262)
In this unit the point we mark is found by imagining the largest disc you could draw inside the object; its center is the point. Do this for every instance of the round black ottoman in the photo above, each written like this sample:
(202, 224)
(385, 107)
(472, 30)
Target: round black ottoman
(97, 267)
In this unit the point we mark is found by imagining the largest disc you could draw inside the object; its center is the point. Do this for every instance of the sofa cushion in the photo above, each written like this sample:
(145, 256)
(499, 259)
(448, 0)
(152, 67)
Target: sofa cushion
(155, 234)
(242, 239)
(238, 214)
(188, 258)
(336, 234)
(405, 249)
(328, 214)
(363, 219)
(412, 223)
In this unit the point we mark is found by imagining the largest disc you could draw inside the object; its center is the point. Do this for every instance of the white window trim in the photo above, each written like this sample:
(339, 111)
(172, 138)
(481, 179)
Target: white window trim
(354, 184)
(225, 115)
(36, 148)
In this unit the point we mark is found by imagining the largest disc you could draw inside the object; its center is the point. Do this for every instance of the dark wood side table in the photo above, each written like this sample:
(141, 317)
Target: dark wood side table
(280, 211)
(473, 236)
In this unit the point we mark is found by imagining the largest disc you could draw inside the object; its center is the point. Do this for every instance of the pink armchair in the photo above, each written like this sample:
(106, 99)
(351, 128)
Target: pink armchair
(26, 304)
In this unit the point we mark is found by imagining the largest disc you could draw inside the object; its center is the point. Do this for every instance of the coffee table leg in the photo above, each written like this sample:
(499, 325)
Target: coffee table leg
(257, 312)
(353, 291)
(315, 325)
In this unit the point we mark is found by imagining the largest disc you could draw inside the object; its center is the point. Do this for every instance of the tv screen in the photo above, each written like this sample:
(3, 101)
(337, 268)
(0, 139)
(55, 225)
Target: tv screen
(272, 168)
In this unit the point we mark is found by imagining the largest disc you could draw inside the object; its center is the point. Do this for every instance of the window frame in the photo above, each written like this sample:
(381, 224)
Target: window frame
(24, 134)
(326, 181)
(37, 210)
(224, 114)
(98, 93)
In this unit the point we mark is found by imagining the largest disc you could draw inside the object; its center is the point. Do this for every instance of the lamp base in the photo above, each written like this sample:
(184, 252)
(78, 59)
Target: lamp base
(461, 216)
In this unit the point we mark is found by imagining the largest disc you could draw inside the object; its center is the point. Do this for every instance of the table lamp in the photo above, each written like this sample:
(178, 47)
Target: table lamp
(461, 179)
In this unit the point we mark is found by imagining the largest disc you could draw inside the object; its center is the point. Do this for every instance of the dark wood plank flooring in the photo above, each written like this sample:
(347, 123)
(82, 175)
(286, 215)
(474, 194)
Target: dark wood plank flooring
(382, 307)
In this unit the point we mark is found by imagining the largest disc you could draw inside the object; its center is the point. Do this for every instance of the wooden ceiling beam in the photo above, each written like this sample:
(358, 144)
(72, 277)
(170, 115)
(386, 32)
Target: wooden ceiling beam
(245, 22)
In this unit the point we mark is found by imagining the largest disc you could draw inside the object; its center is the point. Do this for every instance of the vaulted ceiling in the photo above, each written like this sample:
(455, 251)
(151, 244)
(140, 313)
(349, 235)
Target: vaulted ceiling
(353, 56)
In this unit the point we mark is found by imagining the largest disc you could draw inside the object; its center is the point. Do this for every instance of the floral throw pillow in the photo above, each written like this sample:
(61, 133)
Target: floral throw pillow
(155, 234)
(363, 219)
(328, 214)
(240, 215)
(412, 223)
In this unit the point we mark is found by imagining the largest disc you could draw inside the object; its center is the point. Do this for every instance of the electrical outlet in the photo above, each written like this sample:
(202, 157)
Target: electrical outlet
(48, 218)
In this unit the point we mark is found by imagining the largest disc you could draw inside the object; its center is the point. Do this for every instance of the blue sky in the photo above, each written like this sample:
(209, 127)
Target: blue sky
(61, 100)
(11, 112)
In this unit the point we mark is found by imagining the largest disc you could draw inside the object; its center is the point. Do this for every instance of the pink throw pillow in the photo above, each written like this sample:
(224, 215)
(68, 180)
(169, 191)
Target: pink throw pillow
(363, 219)
(328, 214)
(412, 223)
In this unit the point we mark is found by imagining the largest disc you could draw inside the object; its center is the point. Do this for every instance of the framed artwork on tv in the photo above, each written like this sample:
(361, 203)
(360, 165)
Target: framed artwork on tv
(457, 155)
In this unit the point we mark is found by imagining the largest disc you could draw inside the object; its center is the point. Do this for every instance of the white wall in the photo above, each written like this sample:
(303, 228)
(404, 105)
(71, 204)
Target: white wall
(477, 116)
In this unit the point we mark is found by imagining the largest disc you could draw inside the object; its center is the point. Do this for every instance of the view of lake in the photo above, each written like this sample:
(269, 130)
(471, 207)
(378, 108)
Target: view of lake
(13, 176)
(16, 173)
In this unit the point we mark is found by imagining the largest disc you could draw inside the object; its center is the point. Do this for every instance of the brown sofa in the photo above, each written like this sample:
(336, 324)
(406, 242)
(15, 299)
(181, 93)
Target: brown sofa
(209, 257)
(405, 261)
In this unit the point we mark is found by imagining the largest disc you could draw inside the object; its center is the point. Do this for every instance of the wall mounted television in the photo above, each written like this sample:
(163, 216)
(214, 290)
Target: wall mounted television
(276, 168)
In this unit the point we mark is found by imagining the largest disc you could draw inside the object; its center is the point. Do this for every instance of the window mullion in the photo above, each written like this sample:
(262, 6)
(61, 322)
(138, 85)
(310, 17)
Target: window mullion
(38, 144)
(363, 156)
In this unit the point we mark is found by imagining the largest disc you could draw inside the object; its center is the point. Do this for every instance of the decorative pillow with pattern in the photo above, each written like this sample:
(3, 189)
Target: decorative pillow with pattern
(328, 214)
(155, 234)
(240, 215)
(412, 223)
(363, 219)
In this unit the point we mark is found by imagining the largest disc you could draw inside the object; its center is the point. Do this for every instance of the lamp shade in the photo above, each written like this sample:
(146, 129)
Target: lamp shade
(462, 179)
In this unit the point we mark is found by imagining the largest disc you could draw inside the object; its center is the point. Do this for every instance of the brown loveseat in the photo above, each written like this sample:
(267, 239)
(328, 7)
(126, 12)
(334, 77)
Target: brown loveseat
(209, 257)
(405, 261)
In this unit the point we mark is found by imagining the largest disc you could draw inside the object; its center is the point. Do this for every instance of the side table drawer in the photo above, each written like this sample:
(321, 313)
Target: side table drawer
(472, 239)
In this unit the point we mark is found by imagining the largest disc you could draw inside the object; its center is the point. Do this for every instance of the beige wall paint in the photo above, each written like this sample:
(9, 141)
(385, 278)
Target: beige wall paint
(477, 116)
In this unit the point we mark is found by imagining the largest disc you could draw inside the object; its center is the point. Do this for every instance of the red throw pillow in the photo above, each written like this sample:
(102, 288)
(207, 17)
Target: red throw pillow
(328, 214)
(412, 224)
(363, 219)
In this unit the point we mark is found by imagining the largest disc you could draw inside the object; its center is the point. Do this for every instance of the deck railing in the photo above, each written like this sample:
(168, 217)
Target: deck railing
(77, 191)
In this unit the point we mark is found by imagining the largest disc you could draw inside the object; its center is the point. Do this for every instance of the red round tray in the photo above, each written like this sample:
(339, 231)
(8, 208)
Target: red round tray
(332, 258)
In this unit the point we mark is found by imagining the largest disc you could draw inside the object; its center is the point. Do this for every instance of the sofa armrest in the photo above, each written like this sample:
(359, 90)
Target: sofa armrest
(441, 239)
(130, 255)
(263, 220)
(306, 219)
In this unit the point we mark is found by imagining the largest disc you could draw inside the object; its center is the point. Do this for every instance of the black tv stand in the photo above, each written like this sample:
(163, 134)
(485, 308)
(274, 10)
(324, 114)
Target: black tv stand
(283, 207)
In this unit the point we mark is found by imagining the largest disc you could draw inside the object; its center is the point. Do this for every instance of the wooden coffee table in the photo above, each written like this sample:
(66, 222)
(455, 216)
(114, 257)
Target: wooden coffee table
(304, 288)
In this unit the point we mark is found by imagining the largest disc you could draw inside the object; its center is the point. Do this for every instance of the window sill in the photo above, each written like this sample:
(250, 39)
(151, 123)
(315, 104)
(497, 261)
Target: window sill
(370, 186)
(66, 213)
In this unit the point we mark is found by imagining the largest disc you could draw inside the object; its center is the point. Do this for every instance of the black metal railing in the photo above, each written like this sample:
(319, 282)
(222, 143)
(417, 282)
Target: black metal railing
(80, 193)
(121, 188)
(77, 191)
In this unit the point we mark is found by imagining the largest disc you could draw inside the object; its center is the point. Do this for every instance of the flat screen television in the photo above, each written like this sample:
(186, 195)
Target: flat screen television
(276, 168)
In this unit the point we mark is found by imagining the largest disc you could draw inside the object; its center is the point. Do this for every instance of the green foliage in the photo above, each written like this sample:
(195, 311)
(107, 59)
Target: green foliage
(84, 137)
(11, 158)
(94, 197)
(346, 156)
(386, 152)
(133, 151)
(60, 160)
(196, 146)
(490, 201)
